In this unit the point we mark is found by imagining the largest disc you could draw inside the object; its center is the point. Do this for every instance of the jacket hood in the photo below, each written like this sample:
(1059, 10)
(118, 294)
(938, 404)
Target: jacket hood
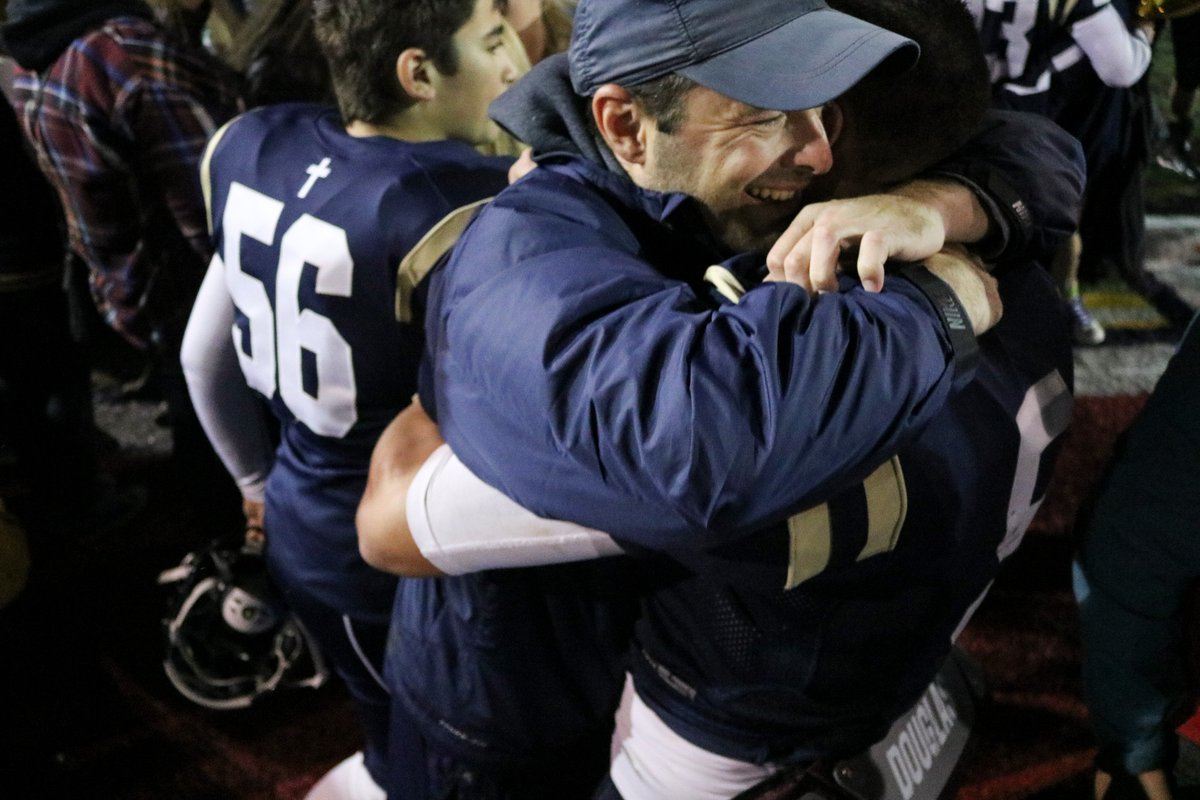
(38, 31)
(543, 111)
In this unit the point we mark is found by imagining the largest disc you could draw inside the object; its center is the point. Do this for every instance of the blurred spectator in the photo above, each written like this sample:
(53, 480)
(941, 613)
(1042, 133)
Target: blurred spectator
(535, 29)
(1177, 153)
(275, 52)
(119, 115)
(119, 112)
(1075, 63)
(544, 26)
(1139, 558)
(183, 20)
(45, 400)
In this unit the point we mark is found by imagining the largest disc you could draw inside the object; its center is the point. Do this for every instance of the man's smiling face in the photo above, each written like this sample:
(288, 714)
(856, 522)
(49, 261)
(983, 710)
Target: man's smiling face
(747, 167)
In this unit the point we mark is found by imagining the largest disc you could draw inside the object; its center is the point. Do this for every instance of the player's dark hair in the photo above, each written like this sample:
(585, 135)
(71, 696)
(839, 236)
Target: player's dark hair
(362, 39)
(914, 120)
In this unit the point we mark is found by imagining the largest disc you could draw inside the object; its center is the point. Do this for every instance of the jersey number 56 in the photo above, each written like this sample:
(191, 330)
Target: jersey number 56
(278, 337)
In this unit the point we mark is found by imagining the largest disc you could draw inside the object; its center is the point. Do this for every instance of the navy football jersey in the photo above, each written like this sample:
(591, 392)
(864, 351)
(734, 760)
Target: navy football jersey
(807, 640)
(311, 225)
(1028, 43)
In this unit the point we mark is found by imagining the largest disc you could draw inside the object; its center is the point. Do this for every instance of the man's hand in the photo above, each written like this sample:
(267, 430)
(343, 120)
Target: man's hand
(882, 226)
(253, 511)
(384, 537)
(976, 289)
(1154, 784)
(909, 223)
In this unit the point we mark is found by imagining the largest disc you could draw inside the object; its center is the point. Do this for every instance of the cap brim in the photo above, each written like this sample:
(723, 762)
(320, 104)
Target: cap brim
(805, 63)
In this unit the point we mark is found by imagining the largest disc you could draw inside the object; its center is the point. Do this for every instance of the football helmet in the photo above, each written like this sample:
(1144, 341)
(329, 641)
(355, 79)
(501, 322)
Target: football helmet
(229, 637)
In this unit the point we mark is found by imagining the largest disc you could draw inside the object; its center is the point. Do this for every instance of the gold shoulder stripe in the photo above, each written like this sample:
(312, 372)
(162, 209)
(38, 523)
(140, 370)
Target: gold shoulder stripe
(725, 282)
(433, 245)
(811, 534)
(887, 508)
(206, 170)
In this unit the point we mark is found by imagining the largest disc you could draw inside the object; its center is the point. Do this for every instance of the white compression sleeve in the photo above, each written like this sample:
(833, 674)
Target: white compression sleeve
(228, 409)
(1119, 57)
(462, 524)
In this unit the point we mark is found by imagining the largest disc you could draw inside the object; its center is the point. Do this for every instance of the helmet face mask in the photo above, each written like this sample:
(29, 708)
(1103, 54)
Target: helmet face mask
(229, 637)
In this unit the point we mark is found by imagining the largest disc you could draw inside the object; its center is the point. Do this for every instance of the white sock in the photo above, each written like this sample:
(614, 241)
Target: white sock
(348, 780)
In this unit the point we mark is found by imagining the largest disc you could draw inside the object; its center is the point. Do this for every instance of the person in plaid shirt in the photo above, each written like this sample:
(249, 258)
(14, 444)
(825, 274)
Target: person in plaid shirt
(119, 115)
(119, 112)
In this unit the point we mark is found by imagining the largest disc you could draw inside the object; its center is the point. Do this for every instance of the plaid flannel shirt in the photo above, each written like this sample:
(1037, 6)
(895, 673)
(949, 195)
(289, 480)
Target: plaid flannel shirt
(119, 123)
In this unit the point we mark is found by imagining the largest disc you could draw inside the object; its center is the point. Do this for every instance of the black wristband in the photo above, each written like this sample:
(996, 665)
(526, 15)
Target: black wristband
(954, 319)
(1010, 227)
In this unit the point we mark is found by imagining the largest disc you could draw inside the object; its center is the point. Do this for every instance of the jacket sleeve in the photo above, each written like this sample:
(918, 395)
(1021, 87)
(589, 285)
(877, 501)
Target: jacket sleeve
(588, 387)
(1029, 175)
(1139, 561)
(1134, 681)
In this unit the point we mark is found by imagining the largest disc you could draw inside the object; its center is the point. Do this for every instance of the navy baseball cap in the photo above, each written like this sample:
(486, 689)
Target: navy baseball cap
(782, 55)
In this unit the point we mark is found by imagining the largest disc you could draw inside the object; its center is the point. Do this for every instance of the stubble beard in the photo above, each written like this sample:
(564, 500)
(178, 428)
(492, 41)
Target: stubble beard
(675, 171)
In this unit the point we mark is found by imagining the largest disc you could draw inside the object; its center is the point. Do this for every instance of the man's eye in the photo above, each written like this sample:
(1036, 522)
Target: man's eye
(772, 121)
(492, 48)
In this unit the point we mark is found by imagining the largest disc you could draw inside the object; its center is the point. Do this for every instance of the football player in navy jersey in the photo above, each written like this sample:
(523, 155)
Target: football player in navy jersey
(806, 639)
(1075, 62)
(312, 215)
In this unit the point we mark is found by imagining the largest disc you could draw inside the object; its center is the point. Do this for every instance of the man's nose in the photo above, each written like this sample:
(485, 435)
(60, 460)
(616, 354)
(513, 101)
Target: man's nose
(810, 140)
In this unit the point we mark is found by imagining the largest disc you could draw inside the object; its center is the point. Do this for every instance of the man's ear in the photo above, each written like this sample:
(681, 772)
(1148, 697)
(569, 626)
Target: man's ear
(834, 119)
(621, 123)
(415, 71)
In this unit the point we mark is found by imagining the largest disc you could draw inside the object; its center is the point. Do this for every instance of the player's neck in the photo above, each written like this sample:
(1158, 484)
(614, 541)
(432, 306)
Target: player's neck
(410, 126)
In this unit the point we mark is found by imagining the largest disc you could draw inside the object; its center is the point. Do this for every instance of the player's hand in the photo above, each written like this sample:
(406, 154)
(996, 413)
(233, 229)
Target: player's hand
(522, 166)
(881, 226)
(1154, 784)
(254, 513)
(976, 289)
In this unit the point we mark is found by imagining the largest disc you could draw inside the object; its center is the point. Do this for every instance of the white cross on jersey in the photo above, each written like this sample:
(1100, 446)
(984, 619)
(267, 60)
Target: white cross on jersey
(315, 173)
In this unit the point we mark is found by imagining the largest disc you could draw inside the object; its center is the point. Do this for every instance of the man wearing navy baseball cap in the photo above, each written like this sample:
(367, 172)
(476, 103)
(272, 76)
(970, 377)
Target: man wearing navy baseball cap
(581, 362)
(776, 64)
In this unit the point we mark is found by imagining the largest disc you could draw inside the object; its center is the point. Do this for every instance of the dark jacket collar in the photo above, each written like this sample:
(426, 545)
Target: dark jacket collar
(543, 111)
(38, 31)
